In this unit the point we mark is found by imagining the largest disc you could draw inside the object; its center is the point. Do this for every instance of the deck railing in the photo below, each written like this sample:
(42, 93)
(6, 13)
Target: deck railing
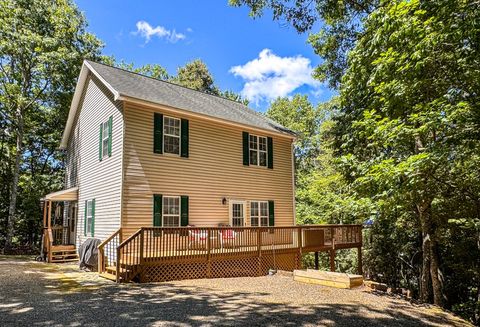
(59, 234)
(172, 245)
(107, 250)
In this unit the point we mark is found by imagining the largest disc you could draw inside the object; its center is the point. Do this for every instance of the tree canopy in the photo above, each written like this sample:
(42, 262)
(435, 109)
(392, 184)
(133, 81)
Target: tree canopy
(402, 145)
(42, 46)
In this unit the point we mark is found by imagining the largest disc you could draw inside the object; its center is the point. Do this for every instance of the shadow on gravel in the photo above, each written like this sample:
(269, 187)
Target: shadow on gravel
(167, 304)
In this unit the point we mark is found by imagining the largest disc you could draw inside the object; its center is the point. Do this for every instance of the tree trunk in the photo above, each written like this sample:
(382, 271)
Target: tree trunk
(425, 281)
(436, 275)
(12, 209)
(431, 276)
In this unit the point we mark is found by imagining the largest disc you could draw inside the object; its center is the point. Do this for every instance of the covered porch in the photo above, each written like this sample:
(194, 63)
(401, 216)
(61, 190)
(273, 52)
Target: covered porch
(59, 220)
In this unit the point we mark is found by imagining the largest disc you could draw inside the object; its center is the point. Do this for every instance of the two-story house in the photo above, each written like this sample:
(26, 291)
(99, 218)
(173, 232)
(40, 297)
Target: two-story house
(143, 153)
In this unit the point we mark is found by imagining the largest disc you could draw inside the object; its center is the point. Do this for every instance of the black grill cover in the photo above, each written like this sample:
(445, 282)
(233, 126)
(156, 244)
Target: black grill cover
(88, 253)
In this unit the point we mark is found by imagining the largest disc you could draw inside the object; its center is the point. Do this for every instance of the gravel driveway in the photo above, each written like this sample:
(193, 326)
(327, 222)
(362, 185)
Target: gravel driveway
(41, 294)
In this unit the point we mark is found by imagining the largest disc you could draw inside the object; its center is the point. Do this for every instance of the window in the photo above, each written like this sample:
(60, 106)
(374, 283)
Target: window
(171, 211)
(259, 213)
(171, 135)
(258, 150)
(105, 139)
(237, 214)
(89, 216)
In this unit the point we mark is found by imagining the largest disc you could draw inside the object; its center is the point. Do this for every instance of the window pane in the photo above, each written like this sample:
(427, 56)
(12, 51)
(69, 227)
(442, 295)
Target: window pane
(105, 130)
(253, 157)
(253, 142)
(171, 144)
(254, 209)
(262, 143)
(89, 224)
(105, 147)
(171, 221)
(254, 221)
(171, 126)
(263, 159)
(237, 214)
(263, 208)
(264, 221)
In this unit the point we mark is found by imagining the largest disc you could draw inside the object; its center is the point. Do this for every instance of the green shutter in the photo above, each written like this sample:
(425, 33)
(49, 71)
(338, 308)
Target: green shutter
(184, 211)
(92, 228)
(110, 124)
(85, 219)
(157, 133)
(271, 213)
(184, 138)
(157, 210)
(100, 144)
(246, 156)
(270, 152)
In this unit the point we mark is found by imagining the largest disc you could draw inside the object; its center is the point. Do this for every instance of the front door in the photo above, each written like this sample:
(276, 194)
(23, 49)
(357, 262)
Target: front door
(237, 213)
(72, 222)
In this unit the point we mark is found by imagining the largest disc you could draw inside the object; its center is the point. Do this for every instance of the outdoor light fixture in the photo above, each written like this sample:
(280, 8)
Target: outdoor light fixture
(224, 201)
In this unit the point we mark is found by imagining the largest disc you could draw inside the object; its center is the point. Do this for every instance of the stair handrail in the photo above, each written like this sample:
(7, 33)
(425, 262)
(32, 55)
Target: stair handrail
(126, 244)
(101, 249)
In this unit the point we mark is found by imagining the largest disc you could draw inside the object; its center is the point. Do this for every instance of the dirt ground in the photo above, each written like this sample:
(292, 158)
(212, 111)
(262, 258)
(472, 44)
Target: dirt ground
(39, 294)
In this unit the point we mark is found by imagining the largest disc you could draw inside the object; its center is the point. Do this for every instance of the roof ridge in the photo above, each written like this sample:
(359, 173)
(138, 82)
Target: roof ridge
(171, 83)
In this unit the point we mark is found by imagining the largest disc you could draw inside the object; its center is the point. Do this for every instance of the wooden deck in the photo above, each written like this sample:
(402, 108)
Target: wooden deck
(160, 254)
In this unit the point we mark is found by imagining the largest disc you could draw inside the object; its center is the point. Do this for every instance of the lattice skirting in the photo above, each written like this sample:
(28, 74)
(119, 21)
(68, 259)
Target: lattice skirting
(221, 267)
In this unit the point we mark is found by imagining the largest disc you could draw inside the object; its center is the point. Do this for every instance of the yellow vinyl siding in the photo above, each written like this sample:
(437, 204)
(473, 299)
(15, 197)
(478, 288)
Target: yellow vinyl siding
(99, 180)
(214, 170)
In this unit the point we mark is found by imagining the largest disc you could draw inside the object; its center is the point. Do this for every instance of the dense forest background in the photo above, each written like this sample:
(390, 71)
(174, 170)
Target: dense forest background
(398, 147)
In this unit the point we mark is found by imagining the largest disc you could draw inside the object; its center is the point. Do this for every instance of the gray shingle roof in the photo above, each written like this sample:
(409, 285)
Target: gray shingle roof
(153, 90)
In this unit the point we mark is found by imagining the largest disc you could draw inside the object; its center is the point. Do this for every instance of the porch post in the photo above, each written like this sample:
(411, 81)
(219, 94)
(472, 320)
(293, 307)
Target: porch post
(332, 260)
(45, 213)
(316, 260)
(360, 266)
(49, 222)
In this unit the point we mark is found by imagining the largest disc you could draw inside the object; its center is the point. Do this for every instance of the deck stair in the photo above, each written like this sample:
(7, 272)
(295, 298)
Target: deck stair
(126, 273)
(63, 253)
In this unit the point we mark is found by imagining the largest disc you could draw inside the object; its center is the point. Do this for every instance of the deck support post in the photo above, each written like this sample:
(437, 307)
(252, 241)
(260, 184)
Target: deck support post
(332, 260)
(209, 257)
(316, 260)
(300, 242)
(259, 251)
(360, 265)
(142, 242)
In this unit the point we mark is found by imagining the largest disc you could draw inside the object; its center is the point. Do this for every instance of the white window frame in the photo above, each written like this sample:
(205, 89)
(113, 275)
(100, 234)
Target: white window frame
(244, 208)
(170, 215)
(89, 217)
(105, 138)
(257, 150)
(260, 216)
(171, 135)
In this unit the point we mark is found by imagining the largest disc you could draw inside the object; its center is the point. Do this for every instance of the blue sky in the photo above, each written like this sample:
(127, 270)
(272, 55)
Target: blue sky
(260, 58)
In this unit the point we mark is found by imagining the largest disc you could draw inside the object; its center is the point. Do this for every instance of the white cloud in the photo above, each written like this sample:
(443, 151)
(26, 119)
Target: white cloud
(146, 31)
(270, 76)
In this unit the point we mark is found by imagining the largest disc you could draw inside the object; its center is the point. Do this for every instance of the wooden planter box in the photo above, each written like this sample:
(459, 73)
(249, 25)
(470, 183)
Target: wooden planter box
(327, 278)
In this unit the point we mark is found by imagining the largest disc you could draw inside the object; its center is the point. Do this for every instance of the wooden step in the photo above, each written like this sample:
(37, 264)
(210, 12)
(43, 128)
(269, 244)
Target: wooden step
(61, 257)
(64, 260)
(113, 270)
(65, 253)
(63, 247)
(108, 276)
